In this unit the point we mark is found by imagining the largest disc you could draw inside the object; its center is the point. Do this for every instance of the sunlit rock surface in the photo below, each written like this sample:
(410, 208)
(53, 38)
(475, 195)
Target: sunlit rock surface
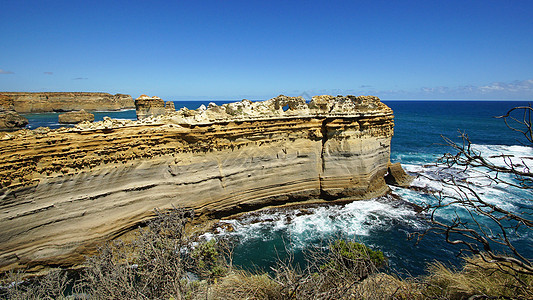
(65, 191)
(59, 101)
(9, 118)
(75, 117)
(149, 107)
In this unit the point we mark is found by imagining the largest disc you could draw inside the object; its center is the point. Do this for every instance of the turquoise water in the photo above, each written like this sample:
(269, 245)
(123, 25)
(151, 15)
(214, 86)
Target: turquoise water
(382, 223)
(385, 223)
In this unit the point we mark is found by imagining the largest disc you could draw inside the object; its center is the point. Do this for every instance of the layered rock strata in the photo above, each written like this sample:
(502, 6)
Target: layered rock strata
(9, 118)
(397, 176)
(169, 107)
(65, 191)
(149, 107)
(58, 101)
(75, 117)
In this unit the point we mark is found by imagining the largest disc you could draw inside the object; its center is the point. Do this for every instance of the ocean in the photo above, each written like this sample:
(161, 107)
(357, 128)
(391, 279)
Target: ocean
(384, 223)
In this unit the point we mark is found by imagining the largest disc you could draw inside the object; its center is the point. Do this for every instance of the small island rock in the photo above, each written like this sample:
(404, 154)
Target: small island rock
(149, 107)
(397, 176)
(75, 117)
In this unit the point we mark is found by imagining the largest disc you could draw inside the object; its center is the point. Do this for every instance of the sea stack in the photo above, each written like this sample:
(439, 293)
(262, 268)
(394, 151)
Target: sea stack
(66, 191)
(169, 107)
(149, 107)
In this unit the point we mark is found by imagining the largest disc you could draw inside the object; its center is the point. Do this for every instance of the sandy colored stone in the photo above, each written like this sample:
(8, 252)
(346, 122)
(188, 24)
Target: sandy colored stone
(9, 118)
(397, 176)
(60, 101)
(169, 107)
(75, 117)
(63, 192)
(149, 107)
(6, 103)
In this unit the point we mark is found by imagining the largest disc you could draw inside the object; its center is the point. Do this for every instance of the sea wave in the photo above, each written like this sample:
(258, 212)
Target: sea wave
(431, 180)
(303, 226)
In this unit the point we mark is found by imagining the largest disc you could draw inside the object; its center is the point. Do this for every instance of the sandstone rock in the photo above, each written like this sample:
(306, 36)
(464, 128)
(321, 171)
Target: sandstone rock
(397, 176)
(169, 107)
(75, 117)
(322, 103)
(6, 103)
(146, 107)
(9, 119)
(288, 103)
(41, 130)
(58, 101)
(68, 190)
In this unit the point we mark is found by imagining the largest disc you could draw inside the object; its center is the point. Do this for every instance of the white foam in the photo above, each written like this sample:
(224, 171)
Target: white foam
(361, 218)
(304, 226)
(429, 178)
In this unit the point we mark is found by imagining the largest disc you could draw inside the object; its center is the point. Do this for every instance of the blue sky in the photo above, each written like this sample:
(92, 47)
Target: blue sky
(187, 50)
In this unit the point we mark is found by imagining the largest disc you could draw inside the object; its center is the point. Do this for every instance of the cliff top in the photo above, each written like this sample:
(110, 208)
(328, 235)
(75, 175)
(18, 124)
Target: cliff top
(144, 97)
(276, 108)
(280, 107)
(56, 93)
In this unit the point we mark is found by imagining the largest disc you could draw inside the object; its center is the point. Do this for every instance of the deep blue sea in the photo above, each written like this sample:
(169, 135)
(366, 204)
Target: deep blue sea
(380, 223)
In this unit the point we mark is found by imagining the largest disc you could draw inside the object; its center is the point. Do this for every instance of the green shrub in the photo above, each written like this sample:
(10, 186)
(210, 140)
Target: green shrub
(208, 260)
(352, 252)
(352, 260)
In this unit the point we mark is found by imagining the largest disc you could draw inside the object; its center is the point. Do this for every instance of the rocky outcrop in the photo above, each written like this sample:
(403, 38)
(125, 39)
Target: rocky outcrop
(59, 102)
(397, 176)
(169, 107)
(75, 117)
(149, 107)
(62, 192)
(9, 119)
(6, 103)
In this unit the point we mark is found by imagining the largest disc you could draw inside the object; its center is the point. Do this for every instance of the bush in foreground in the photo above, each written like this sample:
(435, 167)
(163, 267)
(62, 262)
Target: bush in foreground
(160, 264)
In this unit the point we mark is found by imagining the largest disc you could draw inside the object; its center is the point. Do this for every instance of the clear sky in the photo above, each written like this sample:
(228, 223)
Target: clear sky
(187, 50)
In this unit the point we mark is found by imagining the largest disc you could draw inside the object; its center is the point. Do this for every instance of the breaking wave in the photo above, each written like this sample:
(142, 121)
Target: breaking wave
(311, 224)
(383, 223)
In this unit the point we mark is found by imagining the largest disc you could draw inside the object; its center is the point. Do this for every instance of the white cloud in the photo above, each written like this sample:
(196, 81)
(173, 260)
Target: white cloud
(515, 90)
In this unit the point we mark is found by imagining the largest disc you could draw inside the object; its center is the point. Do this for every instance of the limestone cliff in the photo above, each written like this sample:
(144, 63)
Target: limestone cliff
(9, 118)
(50, 102)
(64, 191)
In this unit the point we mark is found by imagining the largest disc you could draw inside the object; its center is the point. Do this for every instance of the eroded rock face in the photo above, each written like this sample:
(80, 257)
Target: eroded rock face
(93, 182)
(75, 117)
(397, 176)
(6, 103)
(149, 107)
(58, 102)
(9, 119)
(169, 107)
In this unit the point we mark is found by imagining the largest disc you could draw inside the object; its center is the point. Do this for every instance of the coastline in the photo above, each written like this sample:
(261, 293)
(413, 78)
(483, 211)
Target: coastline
(119, 171)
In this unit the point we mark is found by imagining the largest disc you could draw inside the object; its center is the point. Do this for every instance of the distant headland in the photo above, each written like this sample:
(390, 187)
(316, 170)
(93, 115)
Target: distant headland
(68, 101)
